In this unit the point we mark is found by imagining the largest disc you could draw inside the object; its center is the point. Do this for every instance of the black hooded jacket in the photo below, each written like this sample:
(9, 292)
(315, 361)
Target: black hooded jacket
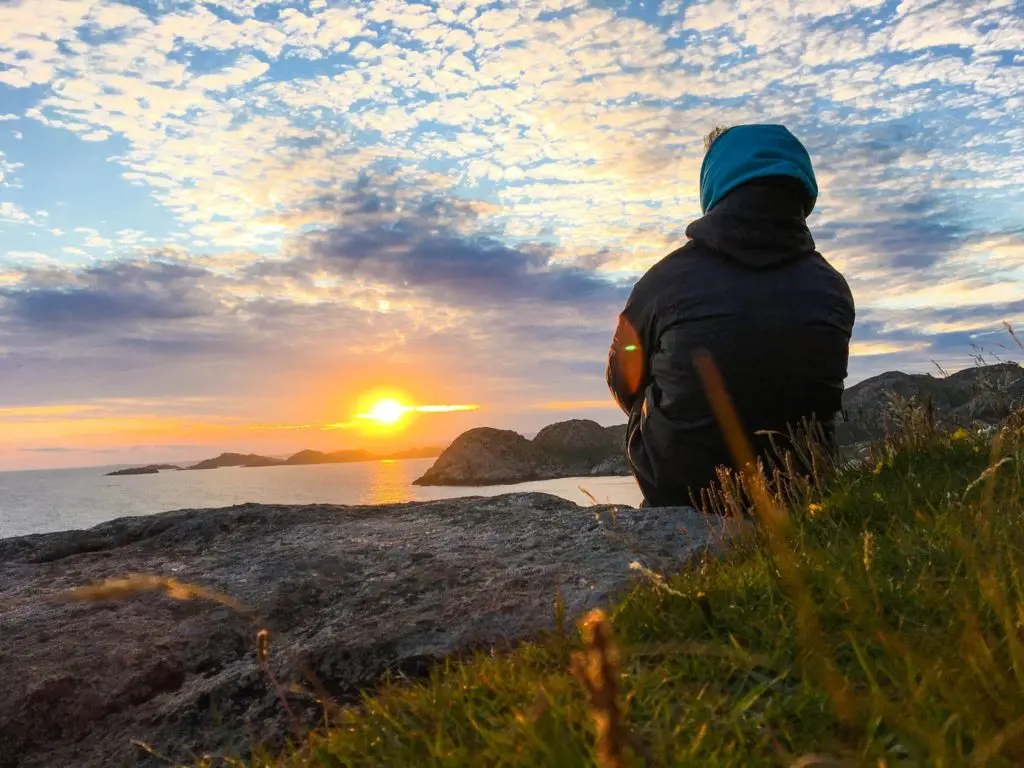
(775, 316)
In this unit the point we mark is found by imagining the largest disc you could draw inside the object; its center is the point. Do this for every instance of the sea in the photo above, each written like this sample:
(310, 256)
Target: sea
(41, 501)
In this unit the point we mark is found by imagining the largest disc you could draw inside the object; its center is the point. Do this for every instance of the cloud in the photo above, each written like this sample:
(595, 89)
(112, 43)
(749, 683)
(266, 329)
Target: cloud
(874, 348)
(38, 412)
(912, 234)
(114, 294)
(11, 213)
(7, 169)
(419, 252)
(247, 68)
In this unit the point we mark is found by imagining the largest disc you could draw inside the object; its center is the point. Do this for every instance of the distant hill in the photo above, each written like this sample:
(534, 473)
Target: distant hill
(237, 460)
(336, 457)
(300, 458)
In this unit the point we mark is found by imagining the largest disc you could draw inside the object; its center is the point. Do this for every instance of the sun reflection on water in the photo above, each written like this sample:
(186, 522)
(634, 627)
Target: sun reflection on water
(389, 483)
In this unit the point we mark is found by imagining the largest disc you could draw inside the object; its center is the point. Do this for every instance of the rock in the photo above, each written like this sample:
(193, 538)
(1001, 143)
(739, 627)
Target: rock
(151, 469)
(134, 471)
(580, 443)
(347, 592)
(611, 467)
(986, 394)
(486, 456)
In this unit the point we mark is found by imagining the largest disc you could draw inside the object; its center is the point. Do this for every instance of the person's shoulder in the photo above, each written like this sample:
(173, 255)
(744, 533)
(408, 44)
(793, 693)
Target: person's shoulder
(830, 278)
(667, 277)
(824, 265)
(678, 261)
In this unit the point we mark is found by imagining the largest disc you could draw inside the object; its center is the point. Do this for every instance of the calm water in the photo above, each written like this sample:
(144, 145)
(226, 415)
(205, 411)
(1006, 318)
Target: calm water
(55, 500)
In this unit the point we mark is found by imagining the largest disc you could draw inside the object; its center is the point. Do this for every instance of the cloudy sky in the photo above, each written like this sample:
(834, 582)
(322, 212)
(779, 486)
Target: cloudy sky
(223, 223)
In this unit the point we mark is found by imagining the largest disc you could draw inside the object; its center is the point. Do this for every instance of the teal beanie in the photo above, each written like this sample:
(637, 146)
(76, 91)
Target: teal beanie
(749, 152)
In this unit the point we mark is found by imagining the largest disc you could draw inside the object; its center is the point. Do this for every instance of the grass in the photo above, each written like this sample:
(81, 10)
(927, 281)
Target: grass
(879, 622)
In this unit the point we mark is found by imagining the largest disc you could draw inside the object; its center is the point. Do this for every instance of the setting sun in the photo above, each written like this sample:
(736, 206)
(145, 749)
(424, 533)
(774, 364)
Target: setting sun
(387, 411)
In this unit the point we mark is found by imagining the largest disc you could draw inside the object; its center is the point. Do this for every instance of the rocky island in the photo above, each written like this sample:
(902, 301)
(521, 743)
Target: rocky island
(486, 456)
(150, 469)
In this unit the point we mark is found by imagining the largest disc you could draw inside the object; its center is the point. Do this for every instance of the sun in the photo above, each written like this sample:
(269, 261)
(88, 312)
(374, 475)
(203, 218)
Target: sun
(382, 412)
(387, 411)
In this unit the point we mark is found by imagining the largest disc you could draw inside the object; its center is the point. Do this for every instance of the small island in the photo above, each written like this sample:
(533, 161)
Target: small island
(151, 469)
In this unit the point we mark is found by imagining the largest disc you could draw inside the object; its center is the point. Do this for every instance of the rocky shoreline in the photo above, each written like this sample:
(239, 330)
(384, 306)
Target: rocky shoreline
(346, 593)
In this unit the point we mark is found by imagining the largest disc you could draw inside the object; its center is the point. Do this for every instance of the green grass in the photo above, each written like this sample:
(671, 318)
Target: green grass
(883, 625)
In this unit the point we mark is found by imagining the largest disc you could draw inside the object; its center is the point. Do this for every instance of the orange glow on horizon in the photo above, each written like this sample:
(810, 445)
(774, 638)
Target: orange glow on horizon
(577, 405)
(123, 430)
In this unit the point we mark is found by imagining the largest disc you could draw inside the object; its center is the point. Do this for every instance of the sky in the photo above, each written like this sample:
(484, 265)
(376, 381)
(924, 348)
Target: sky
(230, 225)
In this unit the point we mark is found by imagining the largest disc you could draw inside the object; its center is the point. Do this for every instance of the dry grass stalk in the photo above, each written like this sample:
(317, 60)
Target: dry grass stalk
(775, 521)
(1013, 334)
(262, 645)
(597, 670)
(589, 495)
(655, 578)
(129, 586)
(988, 474)
(263, 657)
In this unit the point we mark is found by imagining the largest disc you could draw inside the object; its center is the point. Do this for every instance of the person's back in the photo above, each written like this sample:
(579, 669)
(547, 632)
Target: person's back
(750, 289)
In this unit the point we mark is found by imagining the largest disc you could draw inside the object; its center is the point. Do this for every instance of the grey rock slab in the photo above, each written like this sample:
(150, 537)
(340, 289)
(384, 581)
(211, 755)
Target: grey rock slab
(347, 593)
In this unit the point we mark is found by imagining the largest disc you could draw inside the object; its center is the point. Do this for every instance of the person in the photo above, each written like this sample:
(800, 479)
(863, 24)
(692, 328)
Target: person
(750, 291)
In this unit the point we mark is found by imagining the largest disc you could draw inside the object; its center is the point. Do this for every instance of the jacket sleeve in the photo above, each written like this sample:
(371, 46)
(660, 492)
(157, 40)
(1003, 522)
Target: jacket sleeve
(627, 358)
(626, 365)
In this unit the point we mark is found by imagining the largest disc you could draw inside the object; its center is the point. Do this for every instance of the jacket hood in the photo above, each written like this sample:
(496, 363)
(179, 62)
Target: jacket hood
(749, 152)
(760, 224)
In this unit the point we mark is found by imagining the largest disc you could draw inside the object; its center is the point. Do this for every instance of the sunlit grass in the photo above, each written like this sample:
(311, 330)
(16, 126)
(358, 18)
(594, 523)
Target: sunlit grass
(911, 654)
